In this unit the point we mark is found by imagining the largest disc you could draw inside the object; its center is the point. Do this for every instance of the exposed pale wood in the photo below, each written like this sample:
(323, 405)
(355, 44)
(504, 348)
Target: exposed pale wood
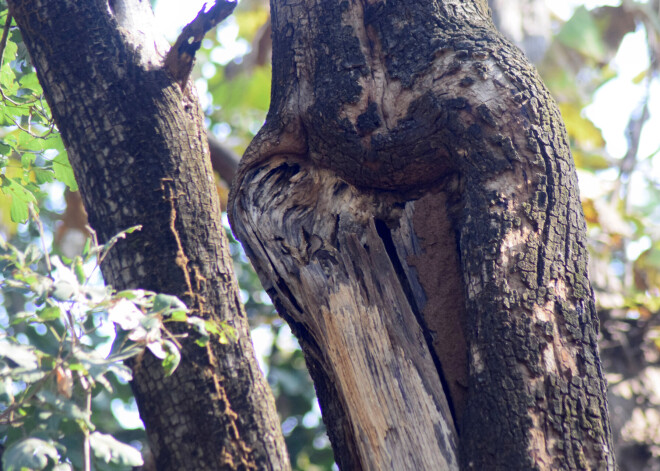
(359, 324)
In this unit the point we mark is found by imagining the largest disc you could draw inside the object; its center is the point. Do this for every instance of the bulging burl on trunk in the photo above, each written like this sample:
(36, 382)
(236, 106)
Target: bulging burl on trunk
(411, 207)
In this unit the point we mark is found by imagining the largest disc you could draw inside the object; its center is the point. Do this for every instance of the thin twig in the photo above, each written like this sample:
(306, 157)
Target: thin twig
(36, 136)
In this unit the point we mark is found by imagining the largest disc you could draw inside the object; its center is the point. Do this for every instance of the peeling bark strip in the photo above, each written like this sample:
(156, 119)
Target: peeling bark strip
(411, 207)
(137, 145)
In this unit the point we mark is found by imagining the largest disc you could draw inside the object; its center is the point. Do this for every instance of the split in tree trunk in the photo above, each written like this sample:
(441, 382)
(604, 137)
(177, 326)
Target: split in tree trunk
(411, 206)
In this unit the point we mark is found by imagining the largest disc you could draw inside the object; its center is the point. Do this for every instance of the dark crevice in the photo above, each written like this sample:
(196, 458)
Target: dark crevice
(550, 202)
(386, 236)
(284, 289)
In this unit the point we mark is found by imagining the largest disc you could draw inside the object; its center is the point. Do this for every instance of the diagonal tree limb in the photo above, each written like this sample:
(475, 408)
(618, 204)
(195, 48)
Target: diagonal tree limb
(180, 59)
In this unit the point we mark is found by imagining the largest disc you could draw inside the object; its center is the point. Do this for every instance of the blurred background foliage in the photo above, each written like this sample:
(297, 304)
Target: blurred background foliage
(600, 61)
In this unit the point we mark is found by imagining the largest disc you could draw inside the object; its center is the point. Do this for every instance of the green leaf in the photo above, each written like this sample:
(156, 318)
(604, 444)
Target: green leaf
(199, 325)
(202, 341)
(42, 175)
(87, 248)
(29, 454)
(31, 82)
(244, 92)
(26, 140)
(109, 450)
(172, 359)
(79, 270)
(179, 316)
(11, 48)
(64, 172)
(7, 75)
(130, 230)
(212, 327)
(133, 294)
(4, 148)
(27, 159)
(582, 34)
(166, 302)
(20, 199)
(49, 313)
(8, 79)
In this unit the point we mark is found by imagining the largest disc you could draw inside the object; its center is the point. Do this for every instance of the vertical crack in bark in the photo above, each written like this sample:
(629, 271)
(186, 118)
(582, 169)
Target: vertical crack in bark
(386, 237)
(313, 241)
(550, 203)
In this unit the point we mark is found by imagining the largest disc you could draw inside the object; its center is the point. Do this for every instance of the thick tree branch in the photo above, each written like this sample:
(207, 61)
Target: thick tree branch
(223, 159)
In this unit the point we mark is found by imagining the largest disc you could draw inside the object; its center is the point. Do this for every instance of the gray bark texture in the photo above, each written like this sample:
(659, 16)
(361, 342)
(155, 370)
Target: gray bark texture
(411, 207)
(138, 148)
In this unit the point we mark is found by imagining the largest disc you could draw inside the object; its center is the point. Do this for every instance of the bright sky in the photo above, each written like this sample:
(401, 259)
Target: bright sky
(173, 15)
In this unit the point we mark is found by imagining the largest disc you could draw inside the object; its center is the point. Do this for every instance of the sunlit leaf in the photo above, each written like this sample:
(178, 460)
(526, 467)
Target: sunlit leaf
(109, 450)
(49, 313)
(22, 355)
(64, 172)
(125, 314)
(165, 302)
(20, 198)
(43, 175)
(29, 454)
(172, 357)
(179, 316)
(251, 92)
(31, 82)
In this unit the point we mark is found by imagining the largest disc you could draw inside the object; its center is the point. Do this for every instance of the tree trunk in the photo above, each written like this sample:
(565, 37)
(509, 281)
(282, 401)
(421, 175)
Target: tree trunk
(138, 148)
(411, 206)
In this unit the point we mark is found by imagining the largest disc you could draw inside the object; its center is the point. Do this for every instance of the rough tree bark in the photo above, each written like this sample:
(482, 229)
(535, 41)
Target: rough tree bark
(138, 148)
(411, 207)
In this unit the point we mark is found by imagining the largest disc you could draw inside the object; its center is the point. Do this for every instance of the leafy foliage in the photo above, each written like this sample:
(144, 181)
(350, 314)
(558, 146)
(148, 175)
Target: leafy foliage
(32, 152)
(63, 334)
(51, 365)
